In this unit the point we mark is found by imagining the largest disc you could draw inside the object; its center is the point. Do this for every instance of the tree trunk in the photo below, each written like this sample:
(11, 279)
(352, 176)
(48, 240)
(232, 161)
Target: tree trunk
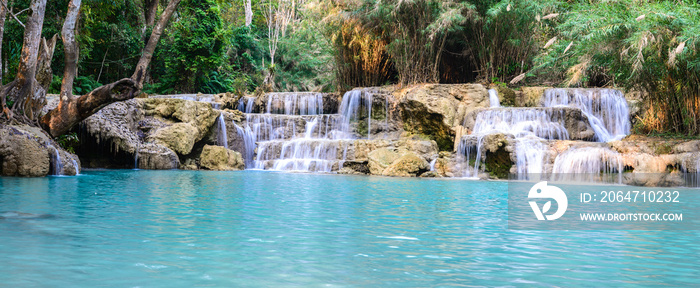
(3, 103)
(248, 13)
(150, 11)
(70, 50)
(70, 112)
(3, 14)
(23, 91)
(145, 60)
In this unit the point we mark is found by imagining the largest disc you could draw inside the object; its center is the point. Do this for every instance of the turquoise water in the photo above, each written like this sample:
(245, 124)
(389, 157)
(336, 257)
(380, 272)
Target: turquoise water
(262, 229)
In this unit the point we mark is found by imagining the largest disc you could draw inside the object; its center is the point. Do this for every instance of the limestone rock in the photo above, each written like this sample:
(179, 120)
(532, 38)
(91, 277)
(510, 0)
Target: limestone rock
(180, 137)
(506, 95)
(157, 157)
(434, 109)
(199, 115)
(408, 165)
(21, 154)
(220, 158)
(380, 159)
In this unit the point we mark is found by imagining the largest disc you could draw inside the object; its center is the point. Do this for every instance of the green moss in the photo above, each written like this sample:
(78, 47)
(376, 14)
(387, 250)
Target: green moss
(663, 147)
(498, 163)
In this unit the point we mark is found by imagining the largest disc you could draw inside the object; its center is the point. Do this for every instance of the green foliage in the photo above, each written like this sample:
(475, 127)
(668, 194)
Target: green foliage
(304, 59)
(192, 50)
(84, 84)
(648, 46)
(68, 141)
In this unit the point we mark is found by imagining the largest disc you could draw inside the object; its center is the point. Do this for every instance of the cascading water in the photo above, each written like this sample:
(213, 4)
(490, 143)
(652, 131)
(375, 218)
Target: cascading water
(351, 111)
(222, 138)
(77, 167)
(493, 98)
(295, 103)
(534, 128)
(606, 109)
(56, 163)
(245, 104)
(294, 135)
(587, 163)
(136, 159)
(529, 127)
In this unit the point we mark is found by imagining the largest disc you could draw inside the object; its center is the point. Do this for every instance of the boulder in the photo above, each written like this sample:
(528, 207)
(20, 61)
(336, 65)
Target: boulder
(506, 95)
(180, 137)
(28, 151)
(21, 154)
(380, 159)
(199, 115)
(156, 157)
(408, 165)
(220, 158)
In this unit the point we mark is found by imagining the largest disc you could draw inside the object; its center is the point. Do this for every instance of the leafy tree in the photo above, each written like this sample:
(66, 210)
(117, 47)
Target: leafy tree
(194, 50)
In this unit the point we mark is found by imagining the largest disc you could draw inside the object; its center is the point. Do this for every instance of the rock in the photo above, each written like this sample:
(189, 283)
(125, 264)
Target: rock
(220, 158)
(506, 95)
(530, 96)
(434, 109)
(354, 168)
(380, 159)
(180, 137)
(22, 153)
(199, 115)
(28, 151)
(157, 157)
(408, 165)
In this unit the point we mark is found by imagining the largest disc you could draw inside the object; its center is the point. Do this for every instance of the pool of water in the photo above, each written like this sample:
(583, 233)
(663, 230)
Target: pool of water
(128, 228)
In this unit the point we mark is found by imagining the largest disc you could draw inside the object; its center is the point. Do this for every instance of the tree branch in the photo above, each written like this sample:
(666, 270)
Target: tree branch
(140, 72)
(13, 14)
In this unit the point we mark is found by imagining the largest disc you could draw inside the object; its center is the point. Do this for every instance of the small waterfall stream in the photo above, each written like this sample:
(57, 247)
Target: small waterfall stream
(56, 164)
(222, 138)
(493, 98)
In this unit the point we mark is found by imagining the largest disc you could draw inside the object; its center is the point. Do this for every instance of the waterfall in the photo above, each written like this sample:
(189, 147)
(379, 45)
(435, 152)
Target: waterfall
(587, 163)
(77, 167)
(56, 163)
(522, 122)
(432, 164)
(245, 104)
(249, 139)
(529, 127)
(222, 138)
(351, 110)
(493, 98)
(136, 159)
(529, 154)
(294, 135)
(606, 109)
(295, 103)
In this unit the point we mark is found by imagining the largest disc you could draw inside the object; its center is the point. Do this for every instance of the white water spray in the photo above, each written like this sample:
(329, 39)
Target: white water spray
(493, 98)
